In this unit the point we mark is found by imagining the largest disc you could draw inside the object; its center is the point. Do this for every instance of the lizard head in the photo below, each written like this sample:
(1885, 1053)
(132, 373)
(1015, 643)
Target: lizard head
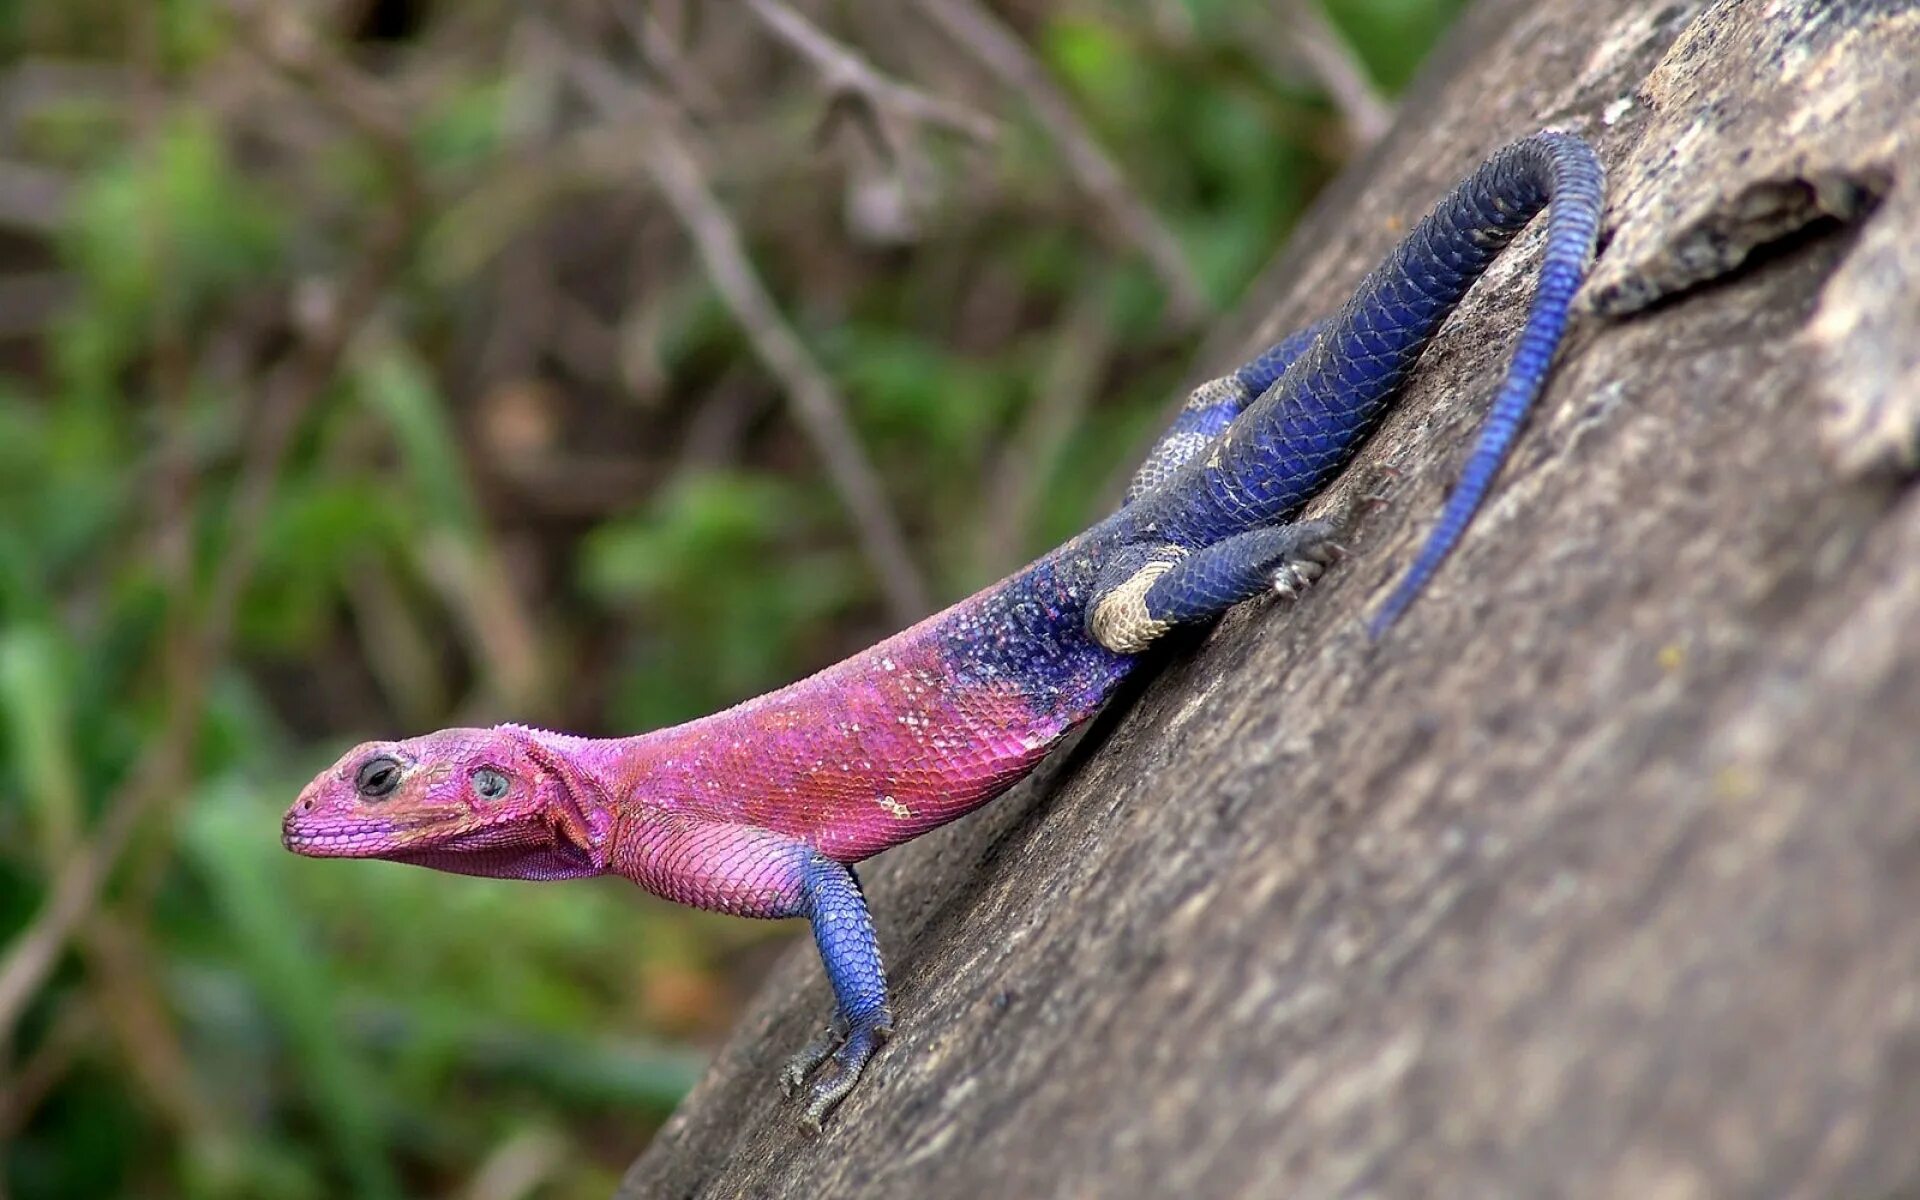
(501, 802)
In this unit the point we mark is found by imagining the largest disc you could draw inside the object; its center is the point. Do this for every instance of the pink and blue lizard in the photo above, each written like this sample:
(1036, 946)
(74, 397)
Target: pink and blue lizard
(764, 809)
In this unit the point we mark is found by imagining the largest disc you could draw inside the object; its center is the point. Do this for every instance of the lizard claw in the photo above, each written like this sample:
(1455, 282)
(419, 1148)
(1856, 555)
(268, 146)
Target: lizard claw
(848, 1050)
(1308, 559)
(825, 1095)
(1291, 577)
(793, 1076)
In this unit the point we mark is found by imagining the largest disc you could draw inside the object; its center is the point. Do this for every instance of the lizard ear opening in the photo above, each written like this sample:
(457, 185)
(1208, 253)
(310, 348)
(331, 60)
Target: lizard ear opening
(570, 821)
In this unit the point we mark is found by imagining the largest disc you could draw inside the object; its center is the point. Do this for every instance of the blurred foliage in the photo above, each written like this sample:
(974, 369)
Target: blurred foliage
(353, 381)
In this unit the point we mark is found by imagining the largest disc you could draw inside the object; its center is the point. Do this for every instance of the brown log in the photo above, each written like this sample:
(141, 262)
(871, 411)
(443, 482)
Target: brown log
(1600, 875)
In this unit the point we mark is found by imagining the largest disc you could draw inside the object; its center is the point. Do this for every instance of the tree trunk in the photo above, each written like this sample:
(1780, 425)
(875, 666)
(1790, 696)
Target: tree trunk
(1600, 874)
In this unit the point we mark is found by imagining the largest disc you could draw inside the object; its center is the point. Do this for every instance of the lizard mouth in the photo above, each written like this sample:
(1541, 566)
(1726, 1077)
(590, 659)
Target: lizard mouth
(500, 858)
(358, 839)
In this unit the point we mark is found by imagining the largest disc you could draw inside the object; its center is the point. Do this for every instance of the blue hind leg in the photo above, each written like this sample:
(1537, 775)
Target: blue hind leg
(1212, 406)
(1290, 441)
(1147, 590)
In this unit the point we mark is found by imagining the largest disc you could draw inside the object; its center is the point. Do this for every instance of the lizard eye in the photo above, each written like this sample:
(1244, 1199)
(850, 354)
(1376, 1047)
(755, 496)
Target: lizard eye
(490, 784)
(377, 777)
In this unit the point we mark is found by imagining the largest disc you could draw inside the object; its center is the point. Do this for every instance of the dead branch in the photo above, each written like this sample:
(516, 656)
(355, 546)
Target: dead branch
(997, 49)
(160, 772)
(817, 404)
(845, 72)
(1320, 48)
(1019, 480)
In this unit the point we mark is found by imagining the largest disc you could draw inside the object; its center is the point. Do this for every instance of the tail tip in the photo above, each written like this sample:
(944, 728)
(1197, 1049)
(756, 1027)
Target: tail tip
(1382, 622)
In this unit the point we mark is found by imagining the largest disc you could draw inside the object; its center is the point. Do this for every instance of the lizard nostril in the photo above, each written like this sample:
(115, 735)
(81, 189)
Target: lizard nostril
(306, 804)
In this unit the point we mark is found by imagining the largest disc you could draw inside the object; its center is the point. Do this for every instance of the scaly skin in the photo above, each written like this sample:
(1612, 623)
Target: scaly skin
(762, 810)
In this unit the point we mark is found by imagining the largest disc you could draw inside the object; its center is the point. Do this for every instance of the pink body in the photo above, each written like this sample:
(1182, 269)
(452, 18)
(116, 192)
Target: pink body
(867, 754)
(862, 756)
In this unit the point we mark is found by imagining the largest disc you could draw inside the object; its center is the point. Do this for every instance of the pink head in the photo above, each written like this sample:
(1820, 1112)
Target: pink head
(505, 802)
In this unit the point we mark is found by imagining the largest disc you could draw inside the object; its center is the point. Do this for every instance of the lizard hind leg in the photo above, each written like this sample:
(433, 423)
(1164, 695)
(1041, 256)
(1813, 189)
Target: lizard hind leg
(1212, 406)
(1281, 451)
(1149, 589)
(754, 871)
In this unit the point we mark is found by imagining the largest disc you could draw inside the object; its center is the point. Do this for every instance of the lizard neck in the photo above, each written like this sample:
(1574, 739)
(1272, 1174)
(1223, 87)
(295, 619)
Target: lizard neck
(586, 778)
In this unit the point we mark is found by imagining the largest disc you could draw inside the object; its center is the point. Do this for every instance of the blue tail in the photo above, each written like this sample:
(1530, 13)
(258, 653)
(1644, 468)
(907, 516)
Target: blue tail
(1577, 186)
(1290, 441)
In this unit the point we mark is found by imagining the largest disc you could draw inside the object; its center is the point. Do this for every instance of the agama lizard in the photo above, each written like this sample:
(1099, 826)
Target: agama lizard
(763, 810)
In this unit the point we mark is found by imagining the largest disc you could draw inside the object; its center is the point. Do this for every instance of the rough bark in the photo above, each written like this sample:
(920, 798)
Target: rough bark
(1599, 876)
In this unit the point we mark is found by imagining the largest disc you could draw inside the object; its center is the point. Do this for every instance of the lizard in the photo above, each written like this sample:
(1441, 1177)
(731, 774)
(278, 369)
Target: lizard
(764, 809)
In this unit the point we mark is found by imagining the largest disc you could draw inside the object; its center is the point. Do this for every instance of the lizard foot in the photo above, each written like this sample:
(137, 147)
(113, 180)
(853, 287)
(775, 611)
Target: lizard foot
(845, 1053)
(1305, 565)
(793, 1076)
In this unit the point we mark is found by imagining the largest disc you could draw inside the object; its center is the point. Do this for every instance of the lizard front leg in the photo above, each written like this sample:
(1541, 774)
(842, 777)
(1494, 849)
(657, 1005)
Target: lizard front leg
(843, 931)
(753, 872)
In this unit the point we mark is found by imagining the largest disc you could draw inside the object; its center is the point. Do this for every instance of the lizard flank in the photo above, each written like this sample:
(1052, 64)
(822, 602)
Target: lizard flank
(763, 810)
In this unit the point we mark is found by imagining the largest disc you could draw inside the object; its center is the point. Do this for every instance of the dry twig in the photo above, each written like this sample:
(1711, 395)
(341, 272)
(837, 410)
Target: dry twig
(847, 73)
(661, 51)
(817, 403)
(995, 46)
(162, 768)
(1319, 47)
(1067, 385)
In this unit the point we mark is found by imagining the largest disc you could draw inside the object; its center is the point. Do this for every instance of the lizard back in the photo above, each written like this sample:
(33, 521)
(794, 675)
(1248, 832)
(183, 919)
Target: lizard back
(907, 735)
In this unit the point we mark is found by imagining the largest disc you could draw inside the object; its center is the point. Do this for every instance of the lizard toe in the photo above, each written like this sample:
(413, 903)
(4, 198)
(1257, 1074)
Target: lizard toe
(793, 1076)
(847, 1065)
